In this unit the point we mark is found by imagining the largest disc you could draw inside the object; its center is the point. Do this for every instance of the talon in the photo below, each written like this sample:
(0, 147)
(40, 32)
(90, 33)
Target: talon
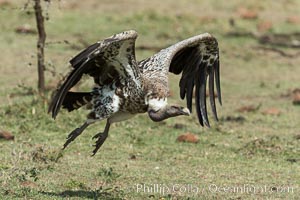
(74, 134)
(98, 144)
(96, 136)
(72, 137)
(101, 138)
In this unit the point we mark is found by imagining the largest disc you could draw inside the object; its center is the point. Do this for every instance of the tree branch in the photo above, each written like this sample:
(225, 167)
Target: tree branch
(40, 45)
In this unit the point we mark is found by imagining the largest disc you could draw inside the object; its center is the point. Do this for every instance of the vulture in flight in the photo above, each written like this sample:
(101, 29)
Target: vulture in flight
(125, 87)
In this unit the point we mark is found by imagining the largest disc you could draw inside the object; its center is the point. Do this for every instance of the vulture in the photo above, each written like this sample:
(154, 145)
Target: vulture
(124, 87)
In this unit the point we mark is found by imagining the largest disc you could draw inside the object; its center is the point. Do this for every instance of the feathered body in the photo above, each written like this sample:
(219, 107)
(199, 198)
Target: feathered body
(125, 87)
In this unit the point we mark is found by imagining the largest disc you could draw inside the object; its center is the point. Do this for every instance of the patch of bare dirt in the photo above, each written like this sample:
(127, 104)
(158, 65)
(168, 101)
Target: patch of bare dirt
(4, 3)
(293, 19)
(246, 13)
(29, 184)
(25, 29)
(272, 111)
(264, 26)
(248, 108)
(188, 137)
(6, 135)
(296, 96)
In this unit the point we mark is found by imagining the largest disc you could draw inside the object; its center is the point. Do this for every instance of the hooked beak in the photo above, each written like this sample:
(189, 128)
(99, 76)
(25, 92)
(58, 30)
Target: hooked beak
(186, 111)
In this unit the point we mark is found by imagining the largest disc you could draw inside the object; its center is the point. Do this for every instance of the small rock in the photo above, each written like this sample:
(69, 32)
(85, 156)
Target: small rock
(6, 135)
(249, 108)
(271, 111)
(296, 91)
(296, 96)
(188, 137)
(207, 19)
(296, 100)
(246, 13)
(264, 26)
(293, 20)
(4, 3)
(25, 29)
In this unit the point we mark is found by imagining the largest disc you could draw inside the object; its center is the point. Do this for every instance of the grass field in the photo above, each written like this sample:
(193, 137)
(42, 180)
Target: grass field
(253, 154)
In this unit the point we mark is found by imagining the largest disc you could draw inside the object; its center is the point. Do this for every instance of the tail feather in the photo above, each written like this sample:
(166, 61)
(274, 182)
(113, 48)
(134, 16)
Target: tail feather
(75, 100)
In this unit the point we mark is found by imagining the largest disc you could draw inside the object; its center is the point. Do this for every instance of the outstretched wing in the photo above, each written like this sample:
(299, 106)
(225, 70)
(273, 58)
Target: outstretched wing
(197, 58)
(106, 61)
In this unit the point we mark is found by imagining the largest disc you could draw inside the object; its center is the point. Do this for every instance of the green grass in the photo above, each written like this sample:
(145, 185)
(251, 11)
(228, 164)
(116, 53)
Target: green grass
(241, 150)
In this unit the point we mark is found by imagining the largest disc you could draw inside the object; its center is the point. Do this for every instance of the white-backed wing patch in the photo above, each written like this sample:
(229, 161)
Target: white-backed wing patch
(115, 103)
(105, 101)
(157, 104)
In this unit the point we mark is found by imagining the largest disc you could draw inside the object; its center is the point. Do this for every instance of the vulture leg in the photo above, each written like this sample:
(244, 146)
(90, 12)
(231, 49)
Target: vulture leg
(75, 133)
(101, 138)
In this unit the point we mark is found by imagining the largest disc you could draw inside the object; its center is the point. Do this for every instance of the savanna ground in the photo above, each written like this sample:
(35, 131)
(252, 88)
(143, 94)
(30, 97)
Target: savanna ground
(253, 152)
